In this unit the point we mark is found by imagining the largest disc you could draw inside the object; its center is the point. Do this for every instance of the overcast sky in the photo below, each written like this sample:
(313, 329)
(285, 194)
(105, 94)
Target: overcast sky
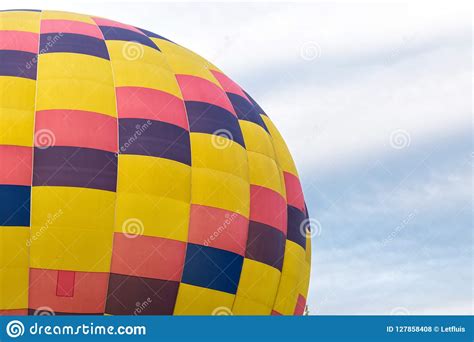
(374, 101)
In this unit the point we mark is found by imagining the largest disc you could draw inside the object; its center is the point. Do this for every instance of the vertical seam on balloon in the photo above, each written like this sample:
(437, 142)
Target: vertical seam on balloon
(117, 152)
(283, 184)
(165, 59)
(33, 155)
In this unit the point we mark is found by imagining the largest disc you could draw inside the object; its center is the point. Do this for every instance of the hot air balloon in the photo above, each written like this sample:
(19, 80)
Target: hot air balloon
(137, 178)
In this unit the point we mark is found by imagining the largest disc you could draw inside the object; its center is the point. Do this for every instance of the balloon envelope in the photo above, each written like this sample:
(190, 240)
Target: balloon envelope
(137, 178)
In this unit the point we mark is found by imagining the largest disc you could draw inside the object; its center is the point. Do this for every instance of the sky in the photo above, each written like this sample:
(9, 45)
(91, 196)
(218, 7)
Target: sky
(374, 100)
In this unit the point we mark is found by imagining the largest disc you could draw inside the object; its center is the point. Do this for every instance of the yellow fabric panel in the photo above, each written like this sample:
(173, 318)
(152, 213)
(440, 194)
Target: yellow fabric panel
(155, 216)
(304, 286)
(60, 89)
(17, 109)
(284, 158)
(231, 158)
(244, 306)
(67, 238)
(156, 193)
(14, 267)
(196, 300)
(220, 190)
(20, 21)
(291, 278)
(81, 250)
(257, 139)
(75, 66)
(148, 70)
(264, 171)
(257, 289)
(67, 16)
(154, 176)
(170, 48)
(185, 66)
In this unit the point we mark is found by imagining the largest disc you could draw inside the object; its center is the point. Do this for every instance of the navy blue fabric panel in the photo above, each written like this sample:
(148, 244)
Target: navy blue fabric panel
(75, 167)
(117, 33)
(257, 106)
(15, 205)
(154, 35)
(265, 244)
(74, 43)
(296, 232)
(207, 118)
(212, 268)
(18, 64)
(245, 110)
(154, 138)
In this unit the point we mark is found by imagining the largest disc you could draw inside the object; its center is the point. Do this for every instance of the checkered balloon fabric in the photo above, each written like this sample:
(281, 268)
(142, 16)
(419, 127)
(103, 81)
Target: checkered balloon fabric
(137, 178)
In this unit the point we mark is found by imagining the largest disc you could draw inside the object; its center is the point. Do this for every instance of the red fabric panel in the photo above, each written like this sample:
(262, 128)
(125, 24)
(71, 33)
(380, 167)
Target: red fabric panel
(268, 207)
(90, 291)
(69, 26)
(65, 284)
(218, 228)
(15, 165)
(228, 85)
(198, 89)
(294, 192)
(300, 305)
(17, 40)
(15, 312)
(145, 103)
(77, 128)
(112, 23)
(147, 256)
